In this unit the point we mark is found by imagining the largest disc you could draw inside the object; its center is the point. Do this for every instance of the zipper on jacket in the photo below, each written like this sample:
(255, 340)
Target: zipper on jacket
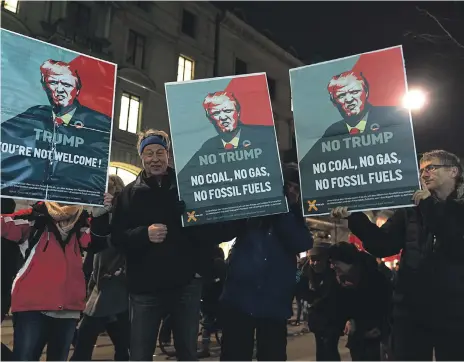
(48, 240)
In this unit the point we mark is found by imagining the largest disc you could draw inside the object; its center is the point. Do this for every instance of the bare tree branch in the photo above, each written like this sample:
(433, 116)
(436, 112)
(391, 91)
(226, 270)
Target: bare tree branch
(441, 26)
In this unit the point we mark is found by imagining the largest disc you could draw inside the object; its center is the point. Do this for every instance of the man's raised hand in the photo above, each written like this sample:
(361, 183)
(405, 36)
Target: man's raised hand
(157, 233)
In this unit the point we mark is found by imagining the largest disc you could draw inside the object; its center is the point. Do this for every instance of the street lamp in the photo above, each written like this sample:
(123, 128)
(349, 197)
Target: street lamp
(414, 99)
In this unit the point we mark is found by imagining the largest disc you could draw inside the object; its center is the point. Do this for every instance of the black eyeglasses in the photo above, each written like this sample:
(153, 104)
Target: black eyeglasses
(432, 168)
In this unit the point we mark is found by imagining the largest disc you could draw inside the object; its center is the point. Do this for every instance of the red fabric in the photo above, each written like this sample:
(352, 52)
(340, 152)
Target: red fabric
(50, 280)
(354, 240)
(384, 70)
(97, 78)
(354, 131)
(253, 95)
(358, 243)
(229, 146)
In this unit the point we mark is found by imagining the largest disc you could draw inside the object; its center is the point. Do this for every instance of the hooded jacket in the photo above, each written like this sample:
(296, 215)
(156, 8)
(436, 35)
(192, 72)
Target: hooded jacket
(51, 278)
(430, 284)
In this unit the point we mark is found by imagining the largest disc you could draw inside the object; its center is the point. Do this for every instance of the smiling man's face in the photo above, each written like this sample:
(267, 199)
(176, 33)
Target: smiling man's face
(350, 96)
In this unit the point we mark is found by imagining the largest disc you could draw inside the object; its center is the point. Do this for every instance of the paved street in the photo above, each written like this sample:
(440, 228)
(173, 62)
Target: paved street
(300, 346)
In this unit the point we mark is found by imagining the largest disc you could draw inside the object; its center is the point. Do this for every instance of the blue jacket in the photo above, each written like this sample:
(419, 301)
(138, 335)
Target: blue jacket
(261, 275)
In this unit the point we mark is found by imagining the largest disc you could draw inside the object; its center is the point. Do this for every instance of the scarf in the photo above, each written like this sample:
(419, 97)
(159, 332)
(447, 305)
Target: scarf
(64, 216)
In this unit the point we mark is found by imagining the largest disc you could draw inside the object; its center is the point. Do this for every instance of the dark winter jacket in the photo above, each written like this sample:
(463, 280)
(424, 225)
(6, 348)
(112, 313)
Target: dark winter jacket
(261, 275)
(107, 286)
(369, 303)
(153, 267)
(327, 313)
(430, 284)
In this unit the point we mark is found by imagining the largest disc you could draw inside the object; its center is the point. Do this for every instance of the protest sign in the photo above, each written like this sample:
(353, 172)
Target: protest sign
(354, 138)
(225, 149)
(56, 112)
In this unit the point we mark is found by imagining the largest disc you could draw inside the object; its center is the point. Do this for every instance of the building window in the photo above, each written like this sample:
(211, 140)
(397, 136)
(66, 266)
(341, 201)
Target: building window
(78, 14)
(188, 23)
(136, 49)
(185, 69)
(10, 5)
(240, 66)
(130, 113)
(271, 83)
(126, 176)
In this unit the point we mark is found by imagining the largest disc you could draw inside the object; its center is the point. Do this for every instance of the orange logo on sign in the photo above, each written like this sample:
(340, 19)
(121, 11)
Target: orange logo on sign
(312, 205)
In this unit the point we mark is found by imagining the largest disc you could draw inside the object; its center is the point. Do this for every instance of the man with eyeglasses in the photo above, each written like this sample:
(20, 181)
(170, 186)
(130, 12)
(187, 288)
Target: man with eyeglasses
(429, 296)
(162, 257)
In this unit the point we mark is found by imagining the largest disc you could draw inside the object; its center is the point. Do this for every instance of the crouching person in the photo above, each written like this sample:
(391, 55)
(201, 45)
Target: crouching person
(48, 292)
(260, 284)
(366, 299)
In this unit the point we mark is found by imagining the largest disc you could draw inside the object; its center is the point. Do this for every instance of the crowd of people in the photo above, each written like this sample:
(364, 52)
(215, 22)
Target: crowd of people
(141, 266)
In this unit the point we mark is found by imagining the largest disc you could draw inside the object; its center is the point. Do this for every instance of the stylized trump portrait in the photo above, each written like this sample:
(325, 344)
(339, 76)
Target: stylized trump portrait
(223, 110)
(349, 108)
(56, 149)
(225, 120)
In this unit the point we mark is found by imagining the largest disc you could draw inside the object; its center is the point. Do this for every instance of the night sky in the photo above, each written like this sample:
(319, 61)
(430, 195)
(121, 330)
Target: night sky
(320, 31)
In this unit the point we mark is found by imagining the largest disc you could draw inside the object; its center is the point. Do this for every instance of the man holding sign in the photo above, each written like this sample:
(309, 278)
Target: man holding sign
(162, 258)
(367, 159)
(227, 163)
(429, 296)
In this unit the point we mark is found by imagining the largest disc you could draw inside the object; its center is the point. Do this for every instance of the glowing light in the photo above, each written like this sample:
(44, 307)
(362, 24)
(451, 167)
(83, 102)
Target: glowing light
(414, 99)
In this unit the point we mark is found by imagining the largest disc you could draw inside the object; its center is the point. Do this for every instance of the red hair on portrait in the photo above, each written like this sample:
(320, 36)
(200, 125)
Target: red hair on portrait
(59, 67)
(213, 99)
(337, 81)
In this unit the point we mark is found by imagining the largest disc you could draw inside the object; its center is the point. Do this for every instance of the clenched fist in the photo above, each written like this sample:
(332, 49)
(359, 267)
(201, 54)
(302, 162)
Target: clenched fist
(340, 212)
(108, 200)
(157, 233)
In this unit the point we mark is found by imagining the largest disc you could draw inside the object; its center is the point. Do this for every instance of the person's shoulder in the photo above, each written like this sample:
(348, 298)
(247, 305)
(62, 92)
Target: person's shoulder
(210, 142)
(335, 129)
(92, 118)
(129, 187)
(387, 112)
(257, 128)
(39, 111)
(209, 146)
(91, 112)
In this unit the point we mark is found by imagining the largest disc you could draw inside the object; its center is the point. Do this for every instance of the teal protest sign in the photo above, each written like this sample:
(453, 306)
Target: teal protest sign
(56, 112)
(225, 151)
(354, 138)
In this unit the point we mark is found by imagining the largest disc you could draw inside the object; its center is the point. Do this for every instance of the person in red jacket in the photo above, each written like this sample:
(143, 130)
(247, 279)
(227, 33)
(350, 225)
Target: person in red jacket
(48, 292)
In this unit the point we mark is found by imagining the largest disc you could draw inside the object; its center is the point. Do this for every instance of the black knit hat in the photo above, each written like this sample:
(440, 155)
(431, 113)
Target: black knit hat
(345, 252)
(290, 172)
